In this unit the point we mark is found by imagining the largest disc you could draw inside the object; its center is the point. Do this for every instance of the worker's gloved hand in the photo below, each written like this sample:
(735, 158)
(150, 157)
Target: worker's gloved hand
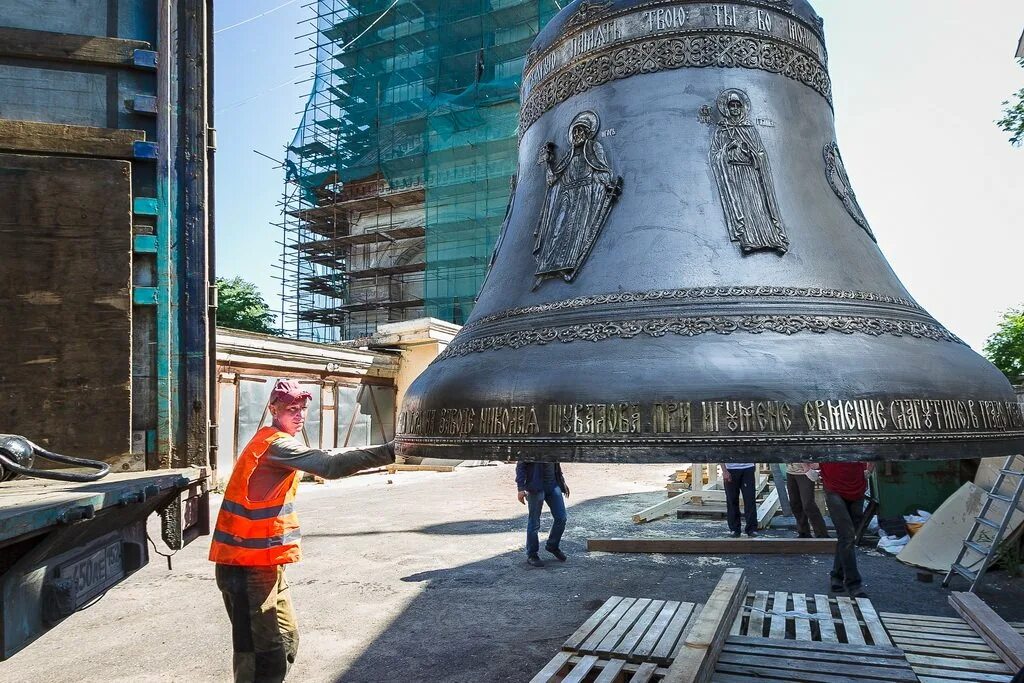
(814, 475)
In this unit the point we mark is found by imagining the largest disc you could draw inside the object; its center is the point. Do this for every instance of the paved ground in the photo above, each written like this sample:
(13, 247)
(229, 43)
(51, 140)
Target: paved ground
(421, 577)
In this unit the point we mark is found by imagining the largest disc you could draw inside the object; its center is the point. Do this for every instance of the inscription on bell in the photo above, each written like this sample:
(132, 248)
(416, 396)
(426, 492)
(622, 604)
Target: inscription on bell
(723, 417)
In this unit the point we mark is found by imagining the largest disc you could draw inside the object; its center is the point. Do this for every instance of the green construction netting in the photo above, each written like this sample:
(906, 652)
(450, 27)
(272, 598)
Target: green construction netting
(421, 94)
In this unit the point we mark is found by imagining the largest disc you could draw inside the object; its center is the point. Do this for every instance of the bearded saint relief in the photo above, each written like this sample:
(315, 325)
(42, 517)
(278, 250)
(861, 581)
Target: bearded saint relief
(744, 176)
(581, 190)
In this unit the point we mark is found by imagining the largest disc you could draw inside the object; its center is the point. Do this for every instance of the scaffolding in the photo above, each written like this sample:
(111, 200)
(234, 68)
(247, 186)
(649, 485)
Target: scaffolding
(397, 178)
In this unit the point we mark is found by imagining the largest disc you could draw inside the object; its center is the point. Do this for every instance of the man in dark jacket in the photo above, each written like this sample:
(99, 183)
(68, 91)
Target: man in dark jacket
(539, 483)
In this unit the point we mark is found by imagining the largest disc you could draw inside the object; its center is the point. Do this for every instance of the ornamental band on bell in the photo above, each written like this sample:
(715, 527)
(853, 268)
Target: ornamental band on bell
(581, 188)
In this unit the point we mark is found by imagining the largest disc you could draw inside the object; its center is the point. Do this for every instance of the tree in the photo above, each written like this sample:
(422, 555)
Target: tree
(1005, 348)
(240, 306)
(1013, 116)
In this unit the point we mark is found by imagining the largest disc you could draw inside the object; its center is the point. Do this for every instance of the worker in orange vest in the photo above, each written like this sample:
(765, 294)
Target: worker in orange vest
(257, 533)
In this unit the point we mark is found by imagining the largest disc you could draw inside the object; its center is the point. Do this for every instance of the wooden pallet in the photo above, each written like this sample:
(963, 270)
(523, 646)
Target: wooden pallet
(797, 616)
(635, 640)
(946, 649)
(746, 659)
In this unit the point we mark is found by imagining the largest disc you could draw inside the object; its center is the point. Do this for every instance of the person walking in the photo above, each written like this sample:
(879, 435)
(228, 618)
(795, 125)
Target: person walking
(539, 483)
(257, 533)
(845, 484)
(738, 477)
(800, 480)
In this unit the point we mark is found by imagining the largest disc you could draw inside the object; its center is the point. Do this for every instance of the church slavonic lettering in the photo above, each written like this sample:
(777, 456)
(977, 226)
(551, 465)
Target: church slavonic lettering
(725, 15)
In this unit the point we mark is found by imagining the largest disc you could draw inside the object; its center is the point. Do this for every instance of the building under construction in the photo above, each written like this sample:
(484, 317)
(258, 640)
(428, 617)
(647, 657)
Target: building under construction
(397, 179)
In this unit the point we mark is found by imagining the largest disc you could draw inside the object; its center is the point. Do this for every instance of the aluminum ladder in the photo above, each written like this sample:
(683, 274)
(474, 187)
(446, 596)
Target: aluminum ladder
(988, 545)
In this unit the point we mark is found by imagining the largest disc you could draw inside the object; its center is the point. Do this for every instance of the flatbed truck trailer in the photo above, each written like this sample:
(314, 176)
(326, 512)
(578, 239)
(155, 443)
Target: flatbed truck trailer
(106, 274)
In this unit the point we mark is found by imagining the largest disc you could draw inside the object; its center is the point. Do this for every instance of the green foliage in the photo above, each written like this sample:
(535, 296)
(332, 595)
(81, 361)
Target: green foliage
(1005, 348)
(1013, 116)
(240, 306)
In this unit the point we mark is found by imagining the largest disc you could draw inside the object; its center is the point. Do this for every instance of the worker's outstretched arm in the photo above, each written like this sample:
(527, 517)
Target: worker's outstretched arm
(329, 464)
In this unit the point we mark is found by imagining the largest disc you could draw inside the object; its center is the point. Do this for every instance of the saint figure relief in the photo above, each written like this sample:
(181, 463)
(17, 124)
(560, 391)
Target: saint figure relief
(835, 169)
(581, 190)
(744, 177)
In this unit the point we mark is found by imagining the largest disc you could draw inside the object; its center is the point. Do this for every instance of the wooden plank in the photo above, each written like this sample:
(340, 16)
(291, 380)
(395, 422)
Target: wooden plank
(896, 616)
(1005, 641)
(714, 546)
(611, 671)
(976, 676)
(802, 625)
(982, 652)
(579, 673)
(873, 623)
(695, 662)
(57, 138)
(644, 673)
(65, 274)
(850, 623)
(833, 667)
(888, 657)
(657, 629)
(755, 623)
(667, 644)
(607, 625)
(959, 664)
(768, 509)
(777, 623)
(402, 467)
(665, 507)
(64, 47)
(553, 668)
(612, 638)
(950, 638)
(632, 638)
(821, 648)
(740, 678)
(825, 626)
(576, 639)
(761, 672)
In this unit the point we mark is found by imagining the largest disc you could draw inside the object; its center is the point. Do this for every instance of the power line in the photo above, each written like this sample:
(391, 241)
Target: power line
(258, 16)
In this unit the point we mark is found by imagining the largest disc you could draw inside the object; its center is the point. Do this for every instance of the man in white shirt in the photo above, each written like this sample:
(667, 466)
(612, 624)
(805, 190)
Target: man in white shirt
(739, 477)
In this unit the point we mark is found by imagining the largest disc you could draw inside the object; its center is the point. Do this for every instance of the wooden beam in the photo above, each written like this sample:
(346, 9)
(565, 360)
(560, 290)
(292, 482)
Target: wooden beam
(715, 546)
(398, 467)
(58, 138)
(665, 507)
(1002, 637)
(767, 509)
(695, 662)
(64, 47)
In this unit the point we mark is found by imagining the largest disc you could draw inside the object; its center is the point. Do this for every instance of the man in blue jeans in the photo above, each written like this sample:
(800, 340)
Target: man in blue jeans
(539, 483)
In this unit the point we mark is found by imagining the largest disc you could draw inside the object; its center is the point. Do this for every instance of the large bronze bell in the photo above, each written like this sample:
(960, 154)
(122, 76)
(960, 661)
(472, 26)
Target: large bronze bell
(685, 273)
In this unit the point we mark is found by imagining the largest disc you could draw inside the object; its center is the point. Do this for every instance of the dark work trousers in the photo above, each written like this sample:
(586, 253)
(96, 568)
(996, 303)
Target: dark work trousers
(805, 508)
(846, 517)
(741, 481)
(264, 634)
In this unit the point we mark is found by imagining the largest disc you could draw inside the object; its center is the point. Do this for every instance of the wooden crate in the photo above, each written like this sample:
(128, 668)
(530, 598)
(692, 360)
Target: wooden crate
(946, 649)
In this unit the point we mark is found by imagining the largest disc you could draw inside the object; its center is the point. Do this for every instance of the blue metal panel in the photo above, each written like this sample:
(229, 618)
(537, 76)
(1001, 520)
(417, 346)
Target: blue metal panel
(145, 59)
(145, 296)
(144, 104)
(145, 244)
(147, 206)
(145, 150)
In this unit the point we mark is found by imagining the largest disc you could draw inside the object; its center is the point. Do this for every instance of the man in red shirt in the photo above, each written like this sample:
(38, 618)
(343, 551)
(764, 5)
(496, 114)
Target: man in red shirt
(845, 484)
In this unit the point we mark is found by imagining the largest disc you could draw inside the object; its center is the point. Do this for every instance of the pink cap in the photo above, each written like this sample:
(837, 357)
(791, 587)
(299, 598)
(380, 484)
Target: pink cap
(288, 390)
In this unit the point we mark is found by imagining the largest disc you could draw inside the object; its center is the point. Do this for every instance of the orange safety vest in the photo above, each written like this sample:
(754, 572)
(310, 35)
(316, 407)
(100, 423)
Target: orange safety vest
(257, 533)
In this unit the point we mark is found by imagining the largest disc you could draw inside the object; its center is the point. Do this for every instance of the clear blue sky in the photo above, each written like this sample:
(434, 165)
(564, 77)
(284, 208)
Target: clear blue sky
(918, 85)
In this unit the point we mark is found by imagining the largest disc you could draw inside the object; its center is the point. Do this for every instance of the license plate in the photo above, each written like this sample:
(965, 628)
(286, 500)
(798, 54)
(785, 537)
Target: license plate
(95, 573)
